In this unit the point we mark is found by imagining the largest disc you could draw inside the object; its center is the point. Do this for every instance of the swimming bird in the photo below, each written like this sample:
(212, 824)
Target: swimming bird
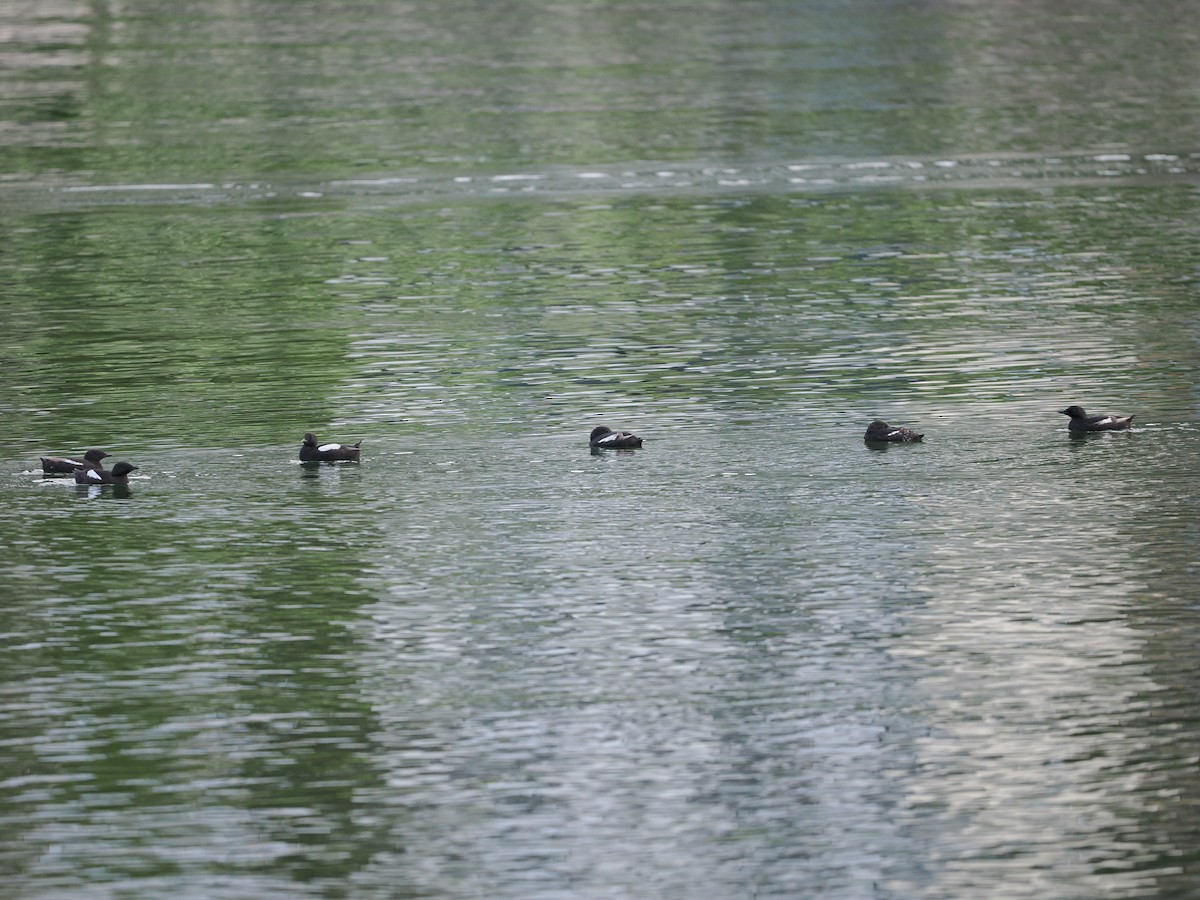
(66, 465)
(605, 438)
(1081, 421)
(881, 432)
(310, 452)
(118, 474)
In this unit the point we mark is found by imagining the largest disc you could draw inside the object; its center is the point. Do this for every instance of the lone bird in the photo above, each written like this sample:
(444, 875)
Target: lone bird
(880, 432)
(118, 474)
(310, 452)
(1081, 421)
(605, 438)
(65, 465)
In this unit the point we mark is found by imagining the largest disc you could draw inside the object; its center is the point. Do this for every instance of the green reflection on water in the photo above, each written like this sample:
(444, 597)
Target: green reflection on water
(250, 324)
(188, 662)
(155, 93)
(186, 315)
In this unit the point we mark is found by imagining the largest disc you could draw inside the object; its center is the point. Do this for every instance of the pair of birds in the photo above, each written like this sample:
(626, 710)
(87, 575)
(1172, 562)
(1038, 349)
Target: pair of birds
(1080, 423)
(88, 469)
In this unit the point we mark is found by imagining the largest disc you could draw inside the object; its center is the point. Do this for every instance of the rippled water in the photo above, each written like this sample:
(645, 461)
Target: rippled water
(754, 658)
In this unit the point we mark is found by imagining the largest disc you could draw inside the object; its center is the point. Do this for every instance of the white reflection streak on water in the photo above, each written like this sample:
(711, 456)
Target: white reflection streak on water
(1026, 673)
(608, 736)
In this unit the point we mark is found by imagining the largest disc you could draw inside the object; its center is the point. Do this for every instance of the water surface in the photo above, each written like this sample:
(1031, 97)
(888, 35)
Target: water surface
(754, 658)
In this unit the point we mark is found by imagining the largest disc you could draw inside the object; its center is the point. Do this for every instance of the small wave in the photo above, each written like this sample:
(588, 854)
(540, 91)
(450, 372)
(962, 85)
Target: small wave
(987, 171)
